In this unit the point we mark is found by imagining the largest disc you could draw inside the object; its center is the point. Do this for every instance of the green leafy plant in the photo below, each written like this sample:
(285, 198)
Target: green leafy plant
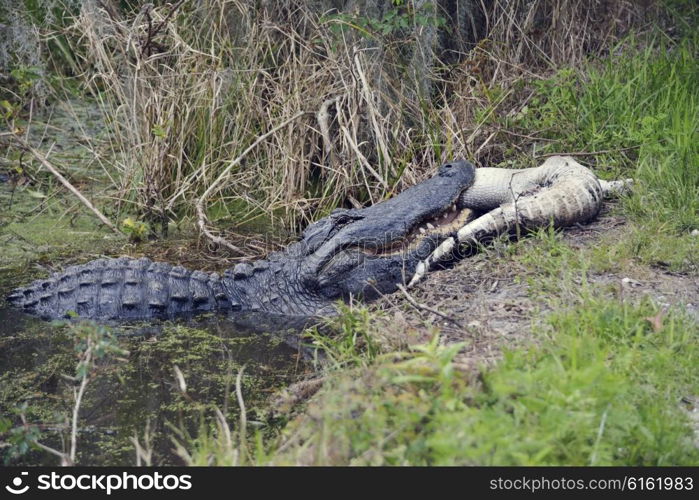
(346, 339)
(136, 230)
(400, 17)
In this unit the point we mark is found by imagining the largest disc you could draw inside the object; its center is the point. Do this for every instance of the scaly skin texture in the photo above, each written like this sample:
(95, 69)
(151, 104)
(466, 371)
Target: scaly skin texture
(128, 288)
(338, 257)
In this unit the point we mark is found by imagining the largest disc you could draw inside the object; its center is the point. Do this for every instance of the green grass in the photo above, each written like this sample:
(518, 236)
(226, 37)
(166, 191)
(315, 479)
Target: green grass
(638, 113)
(600, 387)
(603, 389)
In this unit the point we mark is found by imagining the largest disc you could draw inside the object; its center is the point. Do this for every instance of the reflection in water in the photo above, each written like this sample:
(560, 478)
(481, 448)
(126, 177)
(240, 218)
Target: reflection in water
(126, 396)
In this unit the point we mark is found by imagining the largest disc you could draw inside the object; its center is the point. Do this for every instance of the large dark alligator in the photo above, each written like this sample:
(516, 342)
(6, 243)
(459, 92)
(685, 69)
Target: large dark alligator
(351, 253)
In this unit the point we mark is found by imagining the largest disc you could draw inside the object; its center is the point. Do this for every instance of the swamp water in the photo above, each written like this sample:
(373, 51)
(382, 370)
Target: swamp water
(138, 394)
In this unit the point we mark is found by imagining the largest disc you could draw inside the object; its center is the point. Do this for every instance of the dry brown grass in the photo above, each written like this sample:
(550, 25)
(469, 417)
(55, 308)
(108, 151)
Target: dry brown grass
(181, 104)
(187, 88)
(527, 40)
(535, 33)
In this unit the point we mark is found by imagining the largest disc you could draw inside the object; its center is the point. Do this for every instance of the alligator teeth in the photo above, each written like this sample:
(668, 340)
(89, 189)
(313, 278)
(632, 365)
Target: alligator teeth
(422, 230)
(453, 207)
(430, 226)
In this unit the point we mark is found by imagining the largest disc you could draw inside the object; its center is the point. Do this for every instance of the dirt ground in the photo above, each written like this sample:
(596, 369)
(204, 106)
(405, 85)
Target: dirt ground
(490, 305)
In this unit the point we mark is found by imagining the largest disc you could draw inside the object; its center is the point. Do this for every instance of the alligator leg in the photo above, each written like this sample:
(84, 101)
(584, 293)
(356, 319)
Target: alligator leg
(560, 192)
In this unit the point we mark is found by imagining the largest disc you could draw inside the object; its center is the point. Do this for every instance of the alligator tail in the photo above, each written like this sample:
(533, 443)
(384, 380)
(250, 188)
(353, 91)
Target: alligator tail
(123, 289)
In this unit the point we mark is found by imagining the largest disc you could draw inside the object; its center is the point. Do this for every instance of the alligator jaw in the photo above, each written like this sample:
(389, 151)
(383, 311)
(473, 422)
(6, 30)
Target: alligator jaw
(387, 225)
(440, 226)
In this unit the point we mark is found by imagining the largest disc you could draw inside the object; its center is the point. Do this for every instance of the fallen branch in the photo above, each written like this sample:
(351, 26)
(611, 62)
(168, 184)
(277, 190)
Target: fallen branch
(417, 305)
(201, 214)
(24, 145)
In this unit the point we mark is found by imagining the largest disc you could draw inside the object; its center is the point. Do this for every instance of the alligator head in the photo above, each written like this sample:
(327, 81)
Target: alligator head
(369, 251)
(351, 253)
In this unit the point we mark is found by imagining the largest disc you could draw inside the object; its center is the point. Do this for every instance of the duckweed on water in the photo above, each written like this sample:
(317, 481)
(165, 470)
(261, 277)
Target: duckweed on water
(134, 395)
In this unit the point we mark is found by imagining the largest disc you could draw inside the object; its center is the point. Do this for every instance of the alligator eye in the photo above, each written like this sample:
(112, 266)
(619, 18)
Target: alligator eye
(344, 218)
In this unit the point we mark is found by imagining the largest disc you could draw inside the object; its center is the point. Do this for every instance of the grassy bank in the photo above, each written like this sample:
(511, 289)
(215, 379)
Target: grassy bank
(609, 376)
(602, 383)
(637, 114)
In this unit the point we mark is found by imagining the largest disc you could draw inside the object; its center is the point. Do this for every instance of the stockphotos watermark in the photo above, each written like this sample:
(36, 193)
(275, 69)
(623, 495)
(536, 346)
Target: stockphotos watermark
(107, 483)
